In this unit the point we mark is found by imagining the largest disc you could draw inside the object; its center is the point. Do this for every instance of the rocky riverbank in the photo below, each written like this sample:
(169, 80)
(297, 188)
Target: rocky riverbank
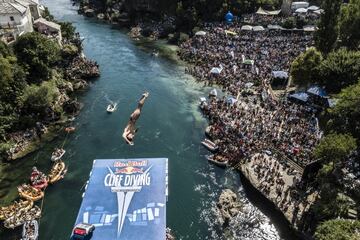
(71, 75)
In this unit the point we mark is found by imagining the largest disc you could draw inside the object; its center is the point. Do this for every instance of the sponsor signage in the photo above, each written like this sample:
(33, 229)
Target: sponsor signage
(126, 199)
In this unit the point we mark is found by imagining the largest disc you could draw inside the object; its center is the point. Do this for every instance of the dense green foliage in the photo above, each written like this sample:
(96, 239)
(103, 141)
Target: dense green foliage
(349, 25)
(67, 30)
(305, 68)
(38, 55)
(12, 83)
(340, 69)
(327, 34)
(346, 113)
(335, 147)
(338, 230)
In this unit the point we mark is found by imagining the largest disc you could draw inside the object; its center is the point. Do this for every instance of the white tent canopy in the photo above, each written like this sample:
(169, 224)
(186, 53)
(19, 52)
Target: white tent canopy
(313, 8)
(320, 11)
(258, 28)
(280, 74)
(309, 28)
(261, 11)
(296, 5)
(301, 10)
(200, 33)
(247, 28)
(274, 27)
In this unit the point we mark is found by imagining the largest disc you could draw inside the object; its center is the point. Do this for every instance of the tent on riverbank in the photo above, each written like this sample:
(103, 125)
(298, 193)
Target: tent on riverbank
(262, 11)
(246, 28)
(258, 28)
(200, 33)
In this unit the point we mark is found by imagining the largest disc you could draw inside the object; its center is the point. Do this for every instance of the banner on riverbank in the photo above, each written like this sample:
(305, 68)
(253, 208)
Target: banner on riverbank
(126, 199)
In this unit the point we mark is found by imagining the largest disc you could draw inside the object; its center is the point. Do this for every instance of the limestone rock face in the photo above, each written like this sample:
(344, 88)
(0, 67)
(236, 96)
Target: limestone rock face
(229, 206)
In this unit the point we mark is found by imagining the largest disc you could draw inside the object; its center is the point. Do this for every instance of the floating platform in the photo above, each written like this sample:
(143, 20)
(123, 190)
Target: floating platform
(126, 199)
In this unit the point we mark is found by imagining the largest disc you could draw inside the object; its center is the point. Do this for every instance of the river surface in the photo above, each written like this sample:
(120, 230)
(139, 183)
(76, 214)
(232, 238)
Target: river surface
(170, 126)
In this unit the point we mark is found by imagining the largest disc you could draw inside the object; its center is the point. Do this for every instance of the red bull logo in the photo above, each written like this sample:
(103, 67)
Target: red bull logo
(129, 170)
(135, 164)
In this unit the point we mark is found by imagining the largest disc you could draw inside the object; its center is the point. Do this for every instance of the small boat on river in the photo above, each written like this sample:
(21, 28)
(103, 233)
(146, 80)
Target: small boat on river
(22, 217)
(38, 179)
(57, 154)
(111, 108)
(57, 172)
(210, 145)
(70, 129)
(30, 193)
(21, 206)
(217, 160)
(30, 230)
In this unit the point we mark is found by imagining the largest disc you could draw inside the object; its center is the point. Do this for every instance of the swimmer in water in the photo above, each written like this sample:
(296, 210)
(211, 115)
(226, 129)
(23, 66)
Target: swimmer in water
(130, 129)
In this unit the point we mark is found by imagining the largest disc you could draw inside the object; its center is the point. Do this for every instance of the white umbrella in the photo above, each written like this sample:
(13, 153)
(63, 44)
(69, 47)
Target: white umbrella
(301, 10)
(216, 70)
(258, 28)
(246, 28)
(200, 33)
(249, 85)
(213, 93)
(313, 8)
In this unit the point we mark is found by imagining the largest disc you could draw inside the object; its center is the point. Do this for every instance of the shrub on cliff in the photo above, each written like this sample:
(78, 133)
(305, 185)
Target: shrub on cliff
(39, 100)
(338, 230)
(37, 54)
(12, 83)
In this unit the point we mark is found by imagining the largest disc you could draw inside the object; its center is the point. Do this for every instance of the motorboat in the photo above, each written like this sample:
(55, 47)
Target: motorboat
(57, 154)
(30, 193)
(22, 217)
(30, 230)
(21, 206)
(70, 129)
(57, 172)
(38, 179)
(111, 108)
(82, 231)
(210, 145)
(219, 161)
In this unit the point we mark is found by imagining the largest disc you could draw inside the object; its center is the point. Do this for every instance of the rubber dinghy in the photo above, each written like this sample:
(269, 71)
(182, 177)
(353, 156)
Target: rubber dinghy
(30, 193)
(21, 206)
(221, 163)
(57, 172)
(19, 219)
(30, 230)
(212, 147)
(57, 154)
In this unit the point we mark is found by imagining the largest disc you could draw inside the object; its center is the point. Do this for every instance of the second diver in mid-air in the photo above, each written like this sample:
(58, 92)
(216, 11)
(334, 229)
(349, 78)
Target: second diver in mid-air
(130, 129)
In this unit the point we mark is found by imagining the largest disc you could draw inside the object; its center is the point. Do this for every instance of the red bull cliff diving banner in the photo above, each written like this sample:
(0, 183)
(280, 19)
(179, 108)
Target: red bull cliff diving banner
(126, 199)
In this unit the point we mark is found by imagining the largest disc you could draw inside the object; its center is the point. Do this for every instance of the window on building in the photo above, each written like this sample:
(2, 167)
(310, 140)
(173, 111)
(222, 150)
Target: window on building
(11, 18)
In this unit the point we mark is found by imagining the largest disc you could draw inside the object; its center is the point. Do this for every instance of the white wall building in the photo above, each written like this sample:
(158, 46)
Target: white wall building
(17, 16)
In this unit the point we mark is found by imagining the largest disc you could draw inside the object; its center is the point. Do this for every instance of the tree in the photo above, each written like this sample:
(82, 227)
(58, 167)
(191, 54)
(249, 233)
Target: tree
(340, 69)
(12, 83)
(344, 117)
(67, 30)
(5, 51)
(38, 55)
(304, 69)
(349, 24)
(38, 99)
(326, 35)
(338, 230)
(335, 147)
